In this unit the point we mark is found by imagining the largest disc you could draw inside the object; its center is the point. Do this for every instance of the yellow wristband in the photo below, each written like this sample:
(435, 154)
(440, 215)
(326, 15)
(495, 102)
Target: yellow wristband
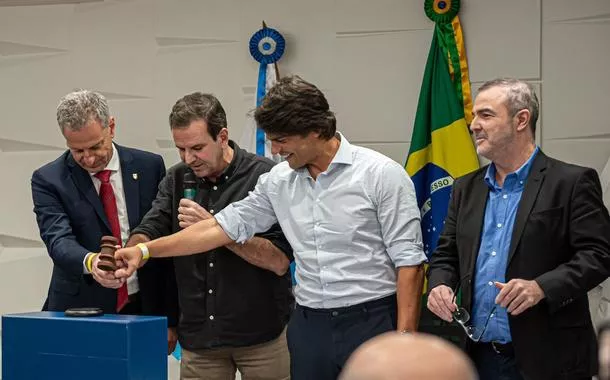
(144, 250)
(89, 262)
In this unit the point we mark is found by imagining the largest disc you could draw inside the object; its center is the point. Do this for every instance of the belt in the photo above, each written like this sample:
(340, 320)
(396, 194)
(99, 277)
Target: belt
(361, 307)
(505, 349)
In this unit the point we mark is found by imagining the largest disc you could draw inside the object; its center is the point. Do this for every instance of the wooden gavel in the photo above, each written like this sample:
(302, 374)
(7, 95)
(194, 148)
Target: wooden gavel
(106, 258)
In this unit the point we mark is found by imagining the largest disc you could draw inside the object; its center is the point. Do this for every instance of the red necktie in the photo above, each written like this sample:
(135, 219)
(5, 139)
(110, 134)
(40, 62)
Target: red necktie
(110, 209)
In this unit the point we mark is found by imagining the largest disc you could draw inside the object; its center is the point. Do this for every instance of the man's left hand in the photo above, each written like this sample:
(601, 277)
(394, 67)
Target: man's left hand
(518, 295)
(190, 212)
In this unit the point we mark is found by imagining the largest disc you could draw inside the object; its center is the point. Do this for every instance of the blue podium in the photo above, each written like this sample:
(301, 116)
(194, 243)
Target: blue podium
(49, 345)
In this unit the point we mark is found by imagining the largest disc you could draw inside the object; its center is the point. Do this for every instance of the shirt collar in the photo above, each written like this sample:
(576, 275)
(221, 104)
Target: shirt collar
(344, 153)
(230, 169)
(114, 164)
(342, 156)
(513, 180)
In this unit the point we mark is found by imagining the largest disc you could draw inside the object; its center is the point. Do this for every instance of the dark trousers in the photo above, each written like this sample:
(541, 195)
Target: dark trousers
(321, 340)
(492, 365)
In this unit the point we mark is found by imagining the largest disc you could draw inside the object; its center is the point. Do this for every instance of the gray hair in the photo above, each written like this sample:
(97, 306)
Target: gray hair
(520, 95)
(78, 108)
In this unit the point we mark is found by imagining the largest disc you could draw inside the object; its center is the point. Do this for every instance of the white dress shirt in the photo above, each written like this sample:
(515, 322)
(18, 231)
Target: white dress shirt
(349, 229)
(116, 180)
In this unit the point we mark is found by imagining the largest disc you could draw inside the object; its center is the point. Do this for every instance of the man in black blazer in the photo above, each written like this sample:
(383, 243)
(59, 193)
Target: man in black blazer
(72, 218)
(525, 238)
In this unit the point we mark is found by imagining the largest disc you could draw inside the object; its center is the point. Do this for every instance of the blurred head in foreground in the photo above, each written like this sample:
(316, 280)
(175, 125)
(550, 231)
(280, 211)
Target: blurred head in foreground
(395, 356)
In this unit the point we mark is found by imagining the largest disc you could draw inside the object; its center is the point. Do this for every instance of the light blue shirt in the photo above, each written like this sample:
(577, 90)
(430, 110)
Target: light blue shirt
(500, 212)
(349, 229)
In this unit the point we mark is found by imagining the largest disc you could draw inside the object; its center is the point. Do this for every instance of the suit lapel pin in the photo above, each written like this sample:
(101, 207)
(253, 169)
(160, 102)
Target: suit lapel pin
(135, 176)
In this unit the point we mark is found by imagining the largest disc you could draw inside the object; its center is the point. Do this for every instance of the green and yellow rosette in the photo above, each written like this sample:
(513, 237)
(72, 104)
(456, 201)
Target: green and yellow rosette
(441, 11)
(444, 13)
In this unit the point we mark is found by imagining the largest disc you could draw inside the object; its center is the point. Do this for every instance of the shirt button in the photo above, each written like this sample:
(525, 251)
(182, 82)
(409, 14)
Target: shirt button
(492, 315)
(490, 283)
(493, 253)
(211, 211)
(499, 225)
(226, 177)
(211, 265)
(335, 313)
(521, 182)
(210, 291)
(211, 317)
(505, 196)
(215, 188)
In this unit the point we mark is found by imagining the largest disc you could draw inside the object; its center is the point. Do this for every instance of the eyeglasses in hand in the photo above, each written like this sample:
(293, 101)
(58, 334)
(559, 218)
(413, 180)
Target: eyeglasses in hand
(462, 317)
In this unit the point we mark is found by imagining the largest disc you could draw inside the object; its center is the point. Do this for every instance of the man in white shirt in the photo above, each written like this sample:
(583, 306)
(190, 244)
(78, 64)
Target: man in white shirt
(351, 217)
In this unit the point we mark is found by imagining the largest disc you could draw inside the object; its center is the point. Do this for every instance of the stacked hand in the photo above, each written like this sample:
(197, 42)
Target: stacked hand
(128, 260)
(106, 279)
(190, 212)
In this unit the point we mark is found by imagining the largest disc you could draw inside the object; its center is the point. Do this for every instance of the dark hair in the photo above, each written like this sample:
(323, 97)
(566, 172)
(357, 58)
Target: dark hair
(295, 107)
(199, 106)
(520, 95)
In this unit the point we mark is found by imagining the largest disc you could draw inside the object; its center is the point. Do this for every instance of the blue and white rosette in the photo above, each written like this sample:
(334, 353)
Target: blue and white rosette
(266, 47)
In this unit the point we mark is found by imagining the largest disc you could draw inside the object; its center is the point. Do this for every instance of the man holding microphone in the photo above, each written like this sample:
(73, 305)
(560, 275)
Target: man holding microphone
(351, 217)
(235, 300)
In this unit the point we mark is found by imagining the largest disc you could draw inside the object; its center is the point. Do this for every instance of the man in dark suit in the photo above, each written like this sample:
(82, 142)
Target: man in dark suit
(525, 238)
(98, 188)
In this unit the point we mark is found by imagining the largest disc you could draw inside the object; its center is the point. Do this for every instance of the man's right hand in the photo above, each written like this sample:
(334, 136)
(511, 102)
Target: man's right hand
(106, 279)
(440, 302)
(128, 261)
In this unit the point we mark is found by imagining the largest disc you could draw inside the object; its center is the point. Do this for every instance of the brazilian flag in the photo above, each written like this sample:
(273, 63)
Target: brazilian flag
(441, 147)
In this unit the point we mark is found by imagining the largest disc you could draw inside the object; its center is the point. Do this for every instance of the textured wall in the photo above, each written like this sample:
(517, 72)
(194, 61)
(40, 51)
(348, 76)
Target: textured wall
(368, 56)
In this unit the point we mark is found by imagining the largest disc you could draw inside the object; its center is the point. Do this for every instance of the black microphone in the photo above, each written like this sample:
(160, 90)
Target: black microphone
(190, 185)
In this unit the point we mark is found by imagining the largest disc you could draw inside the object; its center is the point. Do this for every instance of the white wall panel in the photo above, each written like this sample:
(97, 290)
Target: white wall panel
(31, 88)
(183, 70)
(502, 38)
(197, 19)
(576, 81)
(113, 46)
(577, 87)
(46, 26)
(354, 16)
(367, 56)
(380, 77)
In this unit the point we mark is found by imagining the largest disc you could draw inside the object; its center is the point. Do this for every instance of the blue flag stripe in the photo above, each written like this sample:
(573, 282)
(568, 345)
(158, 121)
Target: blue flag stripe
(260, 94)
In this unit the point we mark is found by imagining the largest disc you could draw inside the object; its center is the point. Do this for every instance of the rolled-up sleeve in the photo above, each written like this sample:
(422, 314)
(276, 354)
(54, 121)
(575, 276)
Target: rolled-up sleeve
(399, 216)
(253, 214)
